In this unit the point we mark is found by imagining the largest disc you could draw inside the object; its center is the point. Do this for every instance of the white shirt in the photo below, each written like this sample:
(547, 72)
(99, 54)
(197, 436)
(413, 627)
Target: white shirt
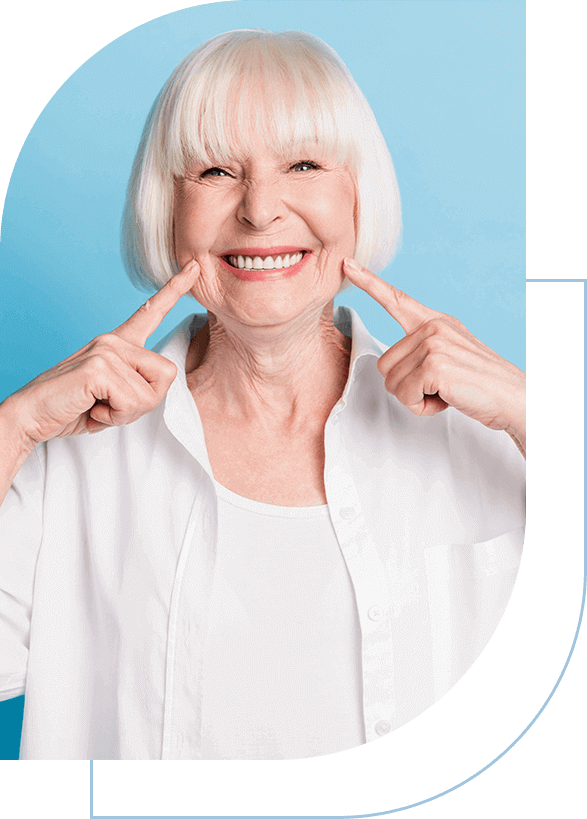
(108, 547)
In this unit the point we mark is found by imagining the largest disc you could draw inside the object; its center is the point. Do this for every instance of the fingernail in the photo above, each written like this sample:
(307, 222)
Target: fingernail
(352, 264)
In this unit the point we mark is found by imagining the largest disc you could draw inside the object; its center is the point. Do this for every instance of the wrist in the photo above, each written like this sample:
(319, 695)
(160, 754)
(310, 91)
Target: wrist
(13, 433)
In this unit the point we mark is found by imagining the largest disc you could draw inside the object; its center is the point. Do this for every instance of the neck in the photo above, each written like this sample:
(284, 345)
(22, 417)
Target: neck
(278, 372)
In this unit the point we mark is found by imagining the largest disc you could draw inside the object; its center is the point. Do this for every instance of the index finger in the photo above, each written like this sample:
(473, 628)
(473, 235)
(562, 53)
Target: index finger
(408, 312)
(149, 316)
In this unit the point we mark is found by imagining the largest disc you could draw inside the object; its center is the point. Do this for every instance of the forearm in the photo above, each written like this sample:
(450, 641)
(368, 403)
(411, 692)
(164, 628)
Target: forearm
(14, 447)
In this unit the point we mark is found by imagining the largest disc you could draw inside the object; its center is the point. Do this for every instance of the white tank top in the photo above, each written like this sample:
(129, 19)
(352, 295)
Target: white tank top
(282, 671)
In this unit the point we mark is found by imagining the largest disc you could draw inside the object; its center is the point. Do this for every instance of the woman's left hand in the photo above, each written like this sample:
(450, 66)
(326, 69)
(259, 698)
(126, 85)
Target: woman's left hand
(440, 363)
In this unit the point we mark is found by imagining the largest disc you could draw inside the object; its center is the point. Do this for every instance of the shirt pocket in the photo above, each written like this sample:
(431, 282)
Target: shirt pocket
(468, 588)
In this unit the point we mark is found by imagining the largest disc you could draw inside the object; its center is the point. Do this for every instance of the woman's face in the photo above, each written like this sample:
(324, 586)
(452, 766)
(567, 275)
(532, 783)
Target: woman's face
(269, 232)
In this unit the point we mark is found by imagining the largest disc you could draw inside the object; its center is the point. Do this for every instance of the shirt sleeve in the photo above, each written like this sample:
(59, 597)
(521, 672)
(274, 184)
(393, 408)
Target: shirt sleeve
(21, 519)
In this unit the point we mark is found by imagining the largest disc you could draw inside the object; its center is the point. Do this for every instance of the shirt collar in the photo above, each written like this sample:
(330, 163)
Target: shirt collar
(179, 403)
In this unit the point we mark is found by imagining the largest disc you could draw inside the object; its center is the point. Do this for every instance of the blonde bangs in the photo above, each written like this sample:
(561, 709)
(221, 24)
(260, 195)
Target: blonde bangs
(257, 88)
(289, 88)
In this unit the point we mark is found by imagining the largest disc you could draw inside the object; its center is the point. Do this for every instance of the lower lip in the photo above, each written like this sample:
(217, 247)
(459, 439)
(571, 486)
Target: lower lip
(265, 275)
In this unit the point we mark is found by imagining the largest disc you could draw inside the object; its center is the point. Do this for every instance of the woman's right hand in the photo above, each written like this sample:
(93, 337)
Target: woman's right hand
(111, 381)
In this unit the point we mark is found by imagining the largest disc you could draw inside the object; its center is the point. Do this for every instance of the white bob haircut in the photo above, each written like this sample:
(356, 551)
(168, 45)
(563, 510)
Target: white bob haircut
(294, 90)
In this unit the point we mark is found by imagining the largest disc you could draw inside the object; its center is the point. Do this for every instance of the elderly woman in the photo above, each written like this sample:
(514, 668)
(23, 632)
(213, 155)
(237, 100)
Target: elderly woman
(286, 540)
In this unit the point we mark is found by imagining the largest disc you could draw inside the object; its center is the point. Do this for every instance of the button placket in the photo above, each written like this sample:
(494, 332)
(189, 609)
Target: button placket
(376, 613)
(383, 727)
(348, 513)
(188, 616)
(371, 593)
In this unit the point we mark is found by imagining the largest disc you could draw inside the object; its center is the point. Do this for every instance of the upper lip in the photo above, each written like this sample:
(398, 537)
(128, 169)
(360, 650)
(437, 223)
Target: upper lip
(266, 251)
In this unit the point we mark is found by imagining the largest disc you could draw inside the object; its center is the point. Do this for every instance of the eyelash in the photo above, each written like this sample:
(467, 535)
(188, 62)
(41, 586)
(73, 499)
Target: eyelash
(311, 165)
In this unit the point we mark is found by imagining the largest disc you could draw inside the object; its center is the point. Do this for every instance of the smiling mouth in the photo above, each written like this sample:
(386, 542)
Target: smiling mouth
(276, 262)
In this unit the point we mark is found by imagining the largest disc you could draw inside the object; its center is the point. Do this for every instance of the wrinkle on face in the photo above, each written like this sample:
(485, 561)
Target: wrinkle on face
(265, 337)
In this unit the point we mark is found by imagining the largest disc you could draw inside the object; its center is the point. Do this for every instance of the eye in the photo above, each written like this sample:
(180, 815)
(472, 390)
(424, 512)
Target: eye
(305, 165)
(215, 172)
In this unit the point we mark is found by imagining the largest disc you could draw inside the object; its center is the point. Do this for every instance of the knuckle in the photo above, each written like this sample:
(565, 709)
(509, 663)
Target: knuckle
(126, 405)
(436, 363)
(453, 320)
(124, 410)
(399, 296)
(105, 340)
(169, 369)
(390, 357)
(390, 384)
(433, 344)
(437, 324)
(97, 364)
(174, 283)
(146, 308)
(167, 372)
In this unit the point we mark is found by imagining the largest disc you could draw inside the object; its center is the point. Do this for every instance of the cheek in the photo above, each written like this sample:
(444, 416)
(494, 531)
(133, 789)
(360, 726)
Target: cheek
(334, 216)
(195, 223)
(185, 221)
(209, 289)
(183, 229)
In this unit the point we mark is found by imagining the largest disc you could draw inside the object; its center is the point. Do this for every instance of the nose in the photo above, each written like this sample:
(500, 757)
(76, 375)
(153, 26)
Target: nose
(261, 204)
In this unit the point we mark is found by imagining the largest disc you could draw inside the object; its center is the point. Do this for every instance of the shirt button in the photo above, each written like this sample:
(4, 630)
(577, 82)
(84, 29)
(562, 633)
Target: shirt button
(347, 513)
(383, 727)
(376, 613)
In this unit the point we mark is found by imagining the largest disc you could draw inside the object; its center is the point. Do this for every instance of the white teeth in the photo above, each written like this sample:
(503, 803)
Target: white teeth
(267, 263)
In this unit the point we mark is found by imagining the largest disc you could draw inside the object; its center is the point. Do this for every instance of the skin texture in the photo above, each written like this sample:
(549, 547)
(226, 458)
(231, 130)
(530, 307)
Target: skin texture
(268, 368)
(270, 365)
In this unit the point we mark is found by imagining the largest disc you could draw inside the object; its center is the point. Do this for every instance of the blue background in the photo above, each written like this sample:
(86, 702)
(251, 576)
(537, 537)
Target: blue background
(446, 81)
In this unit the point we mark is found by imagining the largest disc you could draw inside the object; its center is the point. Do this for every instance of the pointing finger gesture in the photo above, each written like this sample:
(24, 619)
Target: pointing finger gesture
(149, 316)
(111, 381)
(408, 312)
(440, 363)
